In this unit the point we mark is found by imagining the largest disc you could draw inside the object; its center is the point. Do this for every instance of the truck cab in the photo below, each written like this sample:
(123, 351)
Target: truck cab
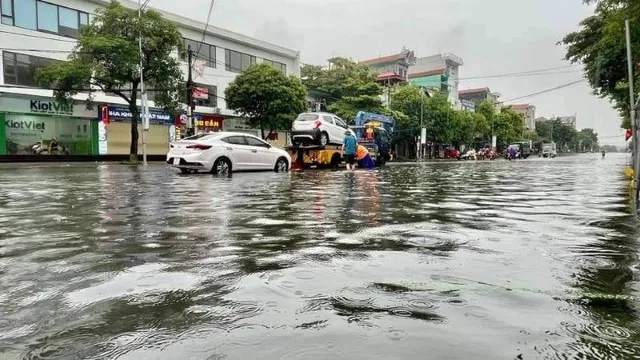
(373, 131)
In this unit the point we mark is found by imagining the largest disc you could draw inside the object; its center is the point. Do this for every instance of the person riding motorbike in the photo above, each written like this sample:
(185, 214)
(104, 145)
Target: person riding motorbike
(603, 153)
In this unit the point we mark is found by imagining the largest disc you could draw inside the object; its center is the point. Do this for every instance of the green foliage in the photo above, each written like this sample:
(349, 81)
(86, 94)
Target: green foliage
(566, 136)
(267, 97)
(600, 46)
(107, 56)
(348, 87)
(410, 101)
(508, 126)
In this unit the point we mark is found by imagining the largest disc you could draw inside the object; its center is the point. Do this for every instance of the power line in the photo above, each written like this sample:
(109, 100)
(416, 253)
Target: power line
(144, 4)
(519, 73)
(206, 26)
(543, 91)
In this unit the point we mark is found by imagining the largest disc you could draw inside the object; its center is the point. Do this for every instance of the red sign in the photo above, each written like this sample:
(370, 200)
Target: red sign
(181, 120)
(210, 122)
(105, 114)
(628, 135)
(200, 93)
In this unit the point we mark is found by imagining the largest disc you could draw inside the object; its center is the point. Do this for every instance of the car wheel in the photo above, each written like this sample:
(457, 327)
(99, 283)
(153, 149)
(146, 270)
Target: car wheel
(281, 165)
(324, 138)
(185, 171)
(221, 166)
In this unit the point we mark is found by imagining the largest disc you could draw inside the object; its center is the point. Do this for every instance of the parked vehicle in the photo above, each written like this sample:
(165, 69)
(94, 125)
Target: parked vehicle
(318, 129)
(226, 152)
(373, 131)
(523, 149)
(549, 150)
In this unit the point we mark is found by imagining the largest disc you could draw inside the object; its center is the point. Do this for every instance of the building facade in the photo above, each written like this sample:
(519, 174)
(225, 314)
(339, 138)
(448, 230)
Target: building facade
(391, 71)
(528, 112)
(35, 33)
(470, 98)
(440, 72)
(569, 120)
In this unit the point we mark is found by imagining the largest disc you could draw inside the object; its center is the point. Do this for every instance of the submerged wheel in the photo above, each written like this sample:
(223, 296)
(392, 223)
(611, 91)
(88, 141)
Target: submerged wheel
(282, 165)
(335, 161)
(188, 171)
(222, 166)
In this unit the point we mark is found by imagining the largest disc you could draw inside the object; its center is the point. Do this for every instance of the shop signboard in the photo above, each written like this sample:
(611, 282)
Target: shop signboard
(45, 106)
(123, 114)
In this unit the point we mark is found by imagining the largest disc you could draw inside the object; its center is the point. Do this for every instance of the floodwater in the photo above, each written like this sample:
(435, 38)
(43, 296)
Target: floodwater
(534, 259)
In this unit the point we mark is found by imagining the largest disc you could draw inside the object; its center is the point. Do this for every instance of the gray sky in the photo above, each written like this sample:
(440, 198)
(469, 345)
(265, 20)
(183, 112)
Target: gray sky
(492, 36)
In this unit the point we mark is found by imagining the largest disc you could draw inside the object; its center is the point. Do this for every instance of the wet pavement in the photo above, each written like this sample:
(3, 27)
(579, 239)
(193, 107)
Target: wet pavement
(464, 260)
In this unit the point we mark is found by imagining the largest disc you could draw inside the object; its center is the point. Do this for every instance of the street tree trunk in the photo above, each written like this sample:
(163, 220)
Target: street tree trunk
(135, 116)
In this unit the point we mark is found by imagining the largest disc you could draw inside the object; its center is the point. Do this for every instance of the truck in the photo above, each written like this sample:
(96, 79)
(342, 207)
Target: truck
(372, 131)
(523, 148)
(549, 150)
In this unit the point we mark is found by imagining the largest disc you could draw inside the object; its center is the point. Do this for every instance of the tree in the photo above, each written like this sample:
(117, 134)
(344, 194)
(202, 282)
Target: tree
(410, 101)
(267, 97)
(600, 46)
(508, 126)
(107, 57)
(347, 87)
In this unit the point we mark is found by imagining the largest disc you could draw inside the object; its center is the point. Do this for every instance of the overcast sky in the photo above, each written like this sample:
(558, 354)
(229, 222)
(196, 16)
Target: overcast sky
(492, 36)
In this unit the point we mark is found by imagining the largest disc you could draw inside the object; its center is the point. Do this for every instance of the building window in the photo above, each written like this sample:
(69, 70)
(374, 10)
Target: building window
(206, 53)
(47, 17)
(237, 61)
(20, 69)
(43, 16)
(276, 64)
(205, 95)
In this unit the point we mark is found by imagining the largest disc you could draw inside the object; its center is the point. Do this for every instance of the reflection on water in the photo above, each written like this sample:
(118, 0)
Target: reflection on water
(492, 260)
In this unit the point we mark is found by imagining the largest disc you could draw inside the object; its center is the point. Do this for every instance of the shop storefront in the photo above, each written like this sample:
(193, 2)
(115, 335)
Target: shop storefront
(115, 134)
(42, 126)
(208, 123)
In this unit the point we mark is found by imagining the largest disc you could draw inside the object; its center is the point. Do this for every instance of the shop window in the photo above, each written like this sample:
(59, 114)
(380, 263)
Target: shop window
(7, 12)
(20, 69)
(29, 134)
(237, 61)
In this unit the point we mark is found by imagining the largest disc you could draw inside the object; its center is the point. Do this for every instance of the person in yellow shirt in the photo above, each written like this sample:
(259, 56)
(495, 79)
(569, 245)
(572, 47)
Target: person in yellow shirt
(364, 158)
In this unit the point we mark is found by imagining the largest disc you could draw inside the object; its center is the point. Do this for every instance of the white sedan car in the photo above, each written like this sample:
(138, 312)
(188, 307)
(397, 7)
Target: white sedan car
(225, 152)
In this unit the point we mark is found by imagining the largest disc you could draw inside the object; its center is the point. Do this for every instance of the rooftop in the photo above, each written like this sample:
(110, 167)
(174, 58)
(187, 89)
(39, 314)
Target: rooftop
(405, 55)
(427, 73)
(520, 106)
(212, 30)
(473, 91)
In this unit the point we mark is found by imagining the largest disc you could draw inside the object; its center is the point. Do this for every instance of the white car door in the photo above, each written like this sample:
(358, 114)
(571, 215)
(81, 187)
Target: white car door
(342, 126)
(239, 151)
(262, 154)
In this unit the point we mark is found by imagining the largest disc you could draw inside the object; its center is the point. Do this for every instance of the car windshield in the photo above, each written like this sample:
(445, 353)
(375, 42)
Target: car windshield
(307, 117)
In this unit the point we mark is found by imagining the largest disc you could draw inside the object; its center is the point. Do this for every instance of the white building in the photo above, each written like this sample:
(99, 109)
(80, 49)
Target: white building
(439, 71)
(34, 32)
(528, 112)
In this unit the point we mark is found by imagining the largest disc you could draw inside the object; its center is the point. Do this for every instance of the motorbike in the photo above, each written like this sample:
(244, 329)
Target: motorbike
(54, 149)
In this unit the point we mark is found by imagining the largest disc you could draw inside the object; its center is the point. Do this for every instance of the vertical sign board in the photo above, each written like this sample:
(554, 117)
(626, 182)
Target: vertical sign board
(3, 135)
(494, 142)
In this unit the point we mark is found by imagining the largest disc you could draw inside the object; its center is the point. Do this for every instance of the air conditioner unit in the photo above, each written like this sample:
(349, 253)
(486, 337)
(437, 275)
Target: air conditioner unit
(216, 111)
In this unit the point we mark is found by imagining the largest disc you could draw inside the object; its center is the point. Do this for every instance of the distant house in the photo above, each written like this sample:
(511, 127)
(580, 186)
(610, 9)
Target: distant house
(569, 120)
(470, 98)
(438, 72)
(391, 70)
(528, 112)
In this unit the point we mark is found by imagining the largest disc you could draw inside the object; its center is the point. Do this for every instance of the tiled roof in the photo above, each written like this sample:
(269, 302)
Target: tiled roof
(384, 59)
(388, 75)
(471, 91)
(519, 106)
(427, 73)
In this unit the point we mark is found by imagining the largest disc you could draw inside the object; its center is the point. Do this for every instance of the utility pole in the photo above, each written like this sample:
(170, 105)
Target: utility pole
(190, 122)
(632, 112)
(421, 116)
(143, 91)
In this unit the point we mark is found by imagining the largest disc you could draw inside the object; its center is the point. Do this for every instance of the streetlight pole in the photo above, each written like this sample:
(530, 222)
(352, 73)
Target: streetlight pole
(143, 95)
(422, 141)
(632, 113)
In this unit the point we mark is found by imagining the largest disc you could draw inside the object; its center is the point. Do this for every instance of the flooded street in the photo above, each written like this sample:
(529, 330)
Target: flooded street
(461, 260)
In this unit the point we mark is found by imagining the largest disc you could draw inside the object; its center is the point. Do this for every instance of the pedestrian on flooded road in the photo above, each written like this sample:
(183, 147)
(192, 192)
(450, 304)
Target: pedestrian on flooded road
(364, 158)
(349, 145)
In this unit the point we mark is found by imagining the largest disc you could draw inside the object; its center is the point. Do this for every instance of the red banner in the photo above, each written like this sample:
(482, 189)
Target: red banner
(628, 135)
(200, 93)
